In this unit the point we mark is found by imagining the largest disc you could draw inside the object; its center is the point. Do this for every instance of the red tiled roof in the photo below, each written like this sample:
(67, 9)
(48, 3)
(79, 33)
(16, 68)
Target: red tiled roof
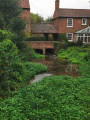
(24, 4)
(43, 28)
(73, 12)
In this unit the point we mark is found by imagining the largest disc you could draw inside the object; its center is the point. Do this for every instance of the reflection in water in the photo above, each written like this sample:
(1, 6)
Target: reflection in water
(59, 67)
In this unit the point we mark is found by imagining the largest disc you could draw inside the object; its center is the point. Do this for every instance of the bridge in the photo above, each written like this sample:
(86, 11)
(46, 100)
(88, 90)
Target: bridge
(43, 47)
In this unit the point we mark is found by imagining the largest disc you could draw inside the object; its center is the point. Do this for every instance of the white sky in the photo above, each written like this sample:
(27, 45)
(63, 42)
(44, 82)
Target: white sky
(45, 8)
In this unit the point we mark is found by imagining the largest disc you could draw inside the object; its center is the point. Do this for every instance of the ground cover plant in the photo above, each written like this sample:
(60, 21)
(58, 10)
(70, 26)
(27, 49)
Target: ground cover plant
(53, 98)
(74, 54)
(31, 69)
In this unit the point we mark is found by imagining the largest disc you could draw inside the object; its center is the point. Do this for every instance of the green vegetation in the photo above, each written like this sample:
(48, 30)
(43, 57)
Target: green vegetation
(53, 98)
(78, 55)
(39, 38)
(28, 54)
(31, 69)
(13, 72)
(35, 18)
(74, 54)
(62, 37)
(10, 67)
(10, 20)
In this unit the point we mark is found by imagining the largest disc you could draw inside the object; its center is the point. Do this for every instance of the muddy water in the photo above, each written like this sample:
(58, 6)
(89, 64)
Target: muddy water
(56, 67)
(59, 67)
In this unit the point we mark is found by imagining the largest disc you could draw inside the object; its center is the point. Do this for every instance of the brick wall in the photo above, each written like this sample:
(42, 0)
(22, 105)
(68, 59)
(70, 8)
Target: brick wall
(24, 4)
(26, 16)
(61, 25)
(77, 25)
(41, 44)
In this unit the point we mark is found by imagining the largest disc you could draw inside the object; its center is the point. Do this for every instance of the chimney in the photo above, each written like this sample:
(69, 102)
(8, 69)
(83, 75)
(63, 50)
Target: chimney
(56, 5)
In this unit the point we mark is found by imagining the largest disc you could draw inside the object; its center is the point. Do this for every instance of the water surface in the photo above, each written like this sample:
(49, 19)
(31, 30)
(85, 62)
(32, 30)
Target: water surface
(56, 67)
(59, 67)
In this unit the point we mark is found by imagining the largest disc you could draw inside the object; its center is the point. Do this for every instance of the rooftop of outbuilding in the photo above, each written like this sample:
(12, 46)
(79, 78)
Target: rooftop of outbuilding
(40, 28)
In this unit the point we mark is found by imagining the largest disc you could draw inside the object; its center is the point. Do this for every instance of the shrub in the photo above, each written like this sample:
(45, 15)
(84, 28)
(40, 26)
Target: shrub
(10, 67)
(5, 35)
(62, 37)
(28, 54)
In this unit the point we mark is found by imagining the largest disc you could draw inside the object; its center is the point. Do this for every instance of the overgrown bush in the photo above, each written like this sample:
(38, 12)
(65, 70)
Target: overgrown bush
(10, 67)
(28, 54)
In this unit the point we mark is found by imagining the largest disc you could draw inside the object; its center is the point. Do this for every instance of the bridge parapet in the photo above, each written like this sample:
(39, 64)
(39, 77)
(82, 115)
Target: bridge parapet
(43, 45)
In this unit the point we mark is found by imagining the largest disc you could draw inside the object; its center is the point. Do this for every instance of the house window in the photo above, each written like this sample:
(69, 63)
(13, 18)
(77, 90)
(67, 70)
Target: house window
(69, 22)
(84, 21)
(70, 36)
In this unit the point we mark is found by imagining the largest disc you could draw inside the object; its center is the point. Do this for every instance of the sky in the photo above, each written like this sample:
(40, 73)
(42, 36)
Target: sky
(45, 8)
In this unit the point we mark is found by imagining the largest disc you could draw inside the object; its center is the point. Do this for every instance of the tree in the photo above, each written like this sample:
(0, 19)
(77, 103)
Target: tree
(35, 18)
(49, 19)
(11, 68)
(10, 19)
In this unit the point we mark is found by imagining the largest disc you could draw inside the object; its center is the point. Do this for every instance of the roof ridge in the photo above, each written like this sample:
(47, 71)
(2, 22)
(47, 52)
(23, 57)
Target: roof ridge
(73, 9)
(42, 23)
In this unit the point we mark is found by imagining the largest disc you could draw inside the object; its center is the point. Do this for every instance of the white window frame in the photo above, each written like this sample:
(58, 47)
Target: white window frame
(85, 21)
(68, 22)
(83, 38)
(72, 37)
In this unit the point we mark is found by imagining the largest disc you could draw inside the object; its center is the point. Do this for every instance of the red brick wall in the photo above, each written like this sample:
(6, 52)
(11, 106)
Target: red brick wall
(41, 44)
(26, 15)
(61, 25)
(77, 25)
(24, 4)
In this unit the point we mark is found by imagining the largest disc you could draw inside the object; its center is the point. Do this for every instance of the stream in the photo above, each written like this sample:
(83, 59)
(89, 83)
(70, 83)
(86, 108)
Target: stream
(56, 67)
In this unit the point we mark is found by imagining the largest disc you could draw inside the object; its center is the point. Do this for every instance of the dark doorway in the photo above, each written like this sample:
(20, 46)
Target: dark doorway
(49, 51)
(46, 36)
(55, 37)
(40, 51)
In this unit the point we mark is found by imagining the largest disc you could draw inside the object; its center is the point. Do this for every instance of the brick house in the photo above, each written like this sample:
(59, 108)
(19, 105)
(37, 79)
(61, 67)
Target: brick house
(74, 22)
(26, 14)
